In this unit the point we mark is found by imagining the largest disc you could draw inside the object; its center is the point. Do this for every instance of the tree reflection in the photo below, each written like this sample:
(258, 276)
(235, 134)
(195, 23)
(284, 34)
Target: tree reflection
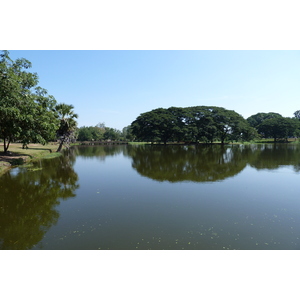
(90, 152)
(192, 163)
(274, 156)
(28, 200)
(204, 163)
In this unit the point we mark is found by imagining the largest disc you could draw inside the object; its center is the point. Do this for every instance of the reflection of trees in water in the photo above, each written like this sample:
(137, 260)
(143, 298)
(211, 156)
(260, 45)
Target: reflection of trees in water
(28, 200)
(209, 162)
(100, 152)
(193, 163)
(274, 156)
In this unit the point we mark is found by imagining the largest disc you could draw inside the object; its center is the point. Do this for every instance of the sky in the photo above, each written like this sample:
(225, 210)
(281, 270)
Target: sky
(115, 86)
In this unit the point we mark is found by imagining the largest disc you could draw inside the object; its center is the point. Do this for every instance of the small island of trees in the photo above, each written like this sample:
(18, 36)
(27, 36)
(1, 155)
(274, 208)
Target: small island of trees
(208, 124)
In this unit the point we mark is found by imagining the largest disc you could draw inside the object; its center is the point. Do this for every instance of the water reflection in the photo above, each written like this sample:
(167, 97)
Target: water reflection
(188, 163)
(99, 152)
(274, 156)
(204, 163)
(28, 199)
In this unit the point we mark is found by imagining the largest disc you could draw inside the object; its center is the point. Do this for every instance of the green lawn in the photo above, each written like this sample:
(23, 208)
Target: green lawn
(19, 156)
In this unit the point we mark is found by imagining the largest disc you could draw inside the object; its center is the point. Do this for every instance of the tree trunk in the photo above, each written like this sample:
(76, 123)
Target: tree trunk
(60, 145)
(6, 145)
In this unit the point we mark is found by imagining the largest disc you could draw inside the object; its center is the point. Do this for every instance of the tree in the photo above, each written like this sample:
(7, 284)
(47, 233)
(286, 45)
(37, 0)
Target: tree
(112, 134)
(199, 123)
(67, 128)
(26, 111)
(127, 133)
(158, 125)
(297, 114)
(91, 133)
(278, 128)
(15, 85)
(39, 120)
(257, 119)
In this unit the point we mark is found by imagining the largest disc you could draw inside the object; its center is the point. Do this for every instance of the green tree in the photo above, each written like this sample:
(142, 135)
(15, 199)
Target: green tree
(40, 122)
(91, 133)
(67, 129)
(257, 119)
(112, 134)
(297, 114)
(127, 133)
(26, 110)
(199, 123)
(278, 128)
(158, 125)
(230, 125)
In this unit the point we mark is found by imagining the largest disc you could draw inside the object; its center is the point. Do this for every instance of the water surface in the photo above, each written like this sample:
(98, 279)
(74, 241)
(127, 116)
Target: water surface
(155, 197)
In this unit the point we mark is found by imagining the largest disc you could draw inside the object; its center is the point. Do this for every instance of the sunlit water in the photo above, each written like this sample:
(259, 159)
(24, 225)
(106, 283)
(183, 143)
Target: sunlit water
(155, 197)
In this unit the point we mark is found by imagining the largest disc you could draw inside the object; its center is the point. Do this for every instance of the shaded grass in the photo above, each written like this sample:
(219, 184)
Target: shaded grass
(18, 156)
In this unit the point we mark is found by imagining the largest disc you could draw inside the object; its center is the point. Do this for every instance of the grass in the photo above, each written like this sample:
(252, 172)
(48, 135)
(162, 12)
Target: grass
(19, 156)
(138, 143)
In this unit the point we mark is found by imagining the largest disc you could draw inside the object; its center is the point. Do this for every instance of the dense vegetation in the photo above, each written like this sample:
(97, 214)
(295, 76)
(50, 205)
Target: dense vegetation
(210, 123)
(193, 124)
(273, 125)
(27, 112)
(98, 133)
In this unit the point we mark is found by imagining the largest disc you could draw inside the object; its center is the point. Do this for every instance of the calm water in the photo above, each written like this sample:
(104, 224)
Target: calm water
(155, 197)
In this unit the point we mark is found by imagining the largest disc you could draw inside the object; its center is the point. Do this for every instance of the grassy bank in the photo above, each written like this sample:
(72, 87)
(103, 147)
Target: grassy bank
(18, 156)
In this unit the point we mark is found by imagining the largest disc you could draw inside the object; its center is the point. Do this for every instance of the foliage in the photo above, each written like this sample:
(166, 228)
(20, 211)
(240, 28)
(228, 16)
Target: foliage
(91, 133)
(279, 128)
(297, 114)
(198, 123)
(26, 110)
(127, 133)
(257, 119)
(67, 129)
(97, 133)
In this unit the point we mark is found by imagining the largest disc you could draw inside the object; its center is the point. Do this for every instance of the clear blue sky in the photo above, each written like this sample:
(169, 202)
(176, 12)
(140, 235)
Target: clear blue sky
(115, 87)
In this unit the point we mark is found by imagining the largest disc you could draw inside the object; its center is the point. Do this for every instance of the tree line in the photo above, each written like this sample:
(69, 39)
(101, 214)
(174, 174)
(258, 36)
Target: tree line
(209, 124)
(27, 112)
(99, 132)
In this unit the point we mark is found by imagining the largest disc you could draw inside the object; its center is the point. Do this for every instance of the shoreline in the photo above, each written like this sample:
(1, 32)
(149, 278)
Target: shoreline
(21, 157)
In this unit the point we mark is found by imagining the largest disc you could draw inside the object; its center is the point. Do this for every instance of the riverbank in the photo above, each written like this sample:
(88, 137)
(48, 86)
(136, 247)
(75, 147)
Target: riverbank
(17, 156)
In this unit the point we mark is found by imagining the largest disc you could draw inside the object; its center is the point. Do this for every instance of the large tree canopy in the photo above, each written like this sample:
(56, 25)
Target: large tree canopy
(26, 110)
(279, 128)
(257, 119)
(198, 123)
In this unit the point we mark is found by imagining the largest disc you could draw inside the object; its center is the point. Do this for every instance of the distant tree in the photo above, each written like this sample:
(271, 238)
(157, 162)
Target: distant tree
(158, 125)
(67, 128)
(199, 123)
(127, 133)
(297, 114)
(101, 125)
(257, 119)
(112, 134)
(278, 128)
(84, 134)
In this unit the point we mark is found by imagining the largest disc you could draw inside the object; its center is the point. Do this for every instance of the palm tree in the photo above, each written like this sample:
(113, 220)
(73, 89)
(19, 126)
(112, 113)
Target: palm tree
(68, 123)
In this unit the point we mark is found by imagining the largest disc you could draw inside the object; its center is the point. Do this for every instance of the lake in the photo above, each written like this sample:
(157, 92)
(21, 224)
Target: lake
(202, 197)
